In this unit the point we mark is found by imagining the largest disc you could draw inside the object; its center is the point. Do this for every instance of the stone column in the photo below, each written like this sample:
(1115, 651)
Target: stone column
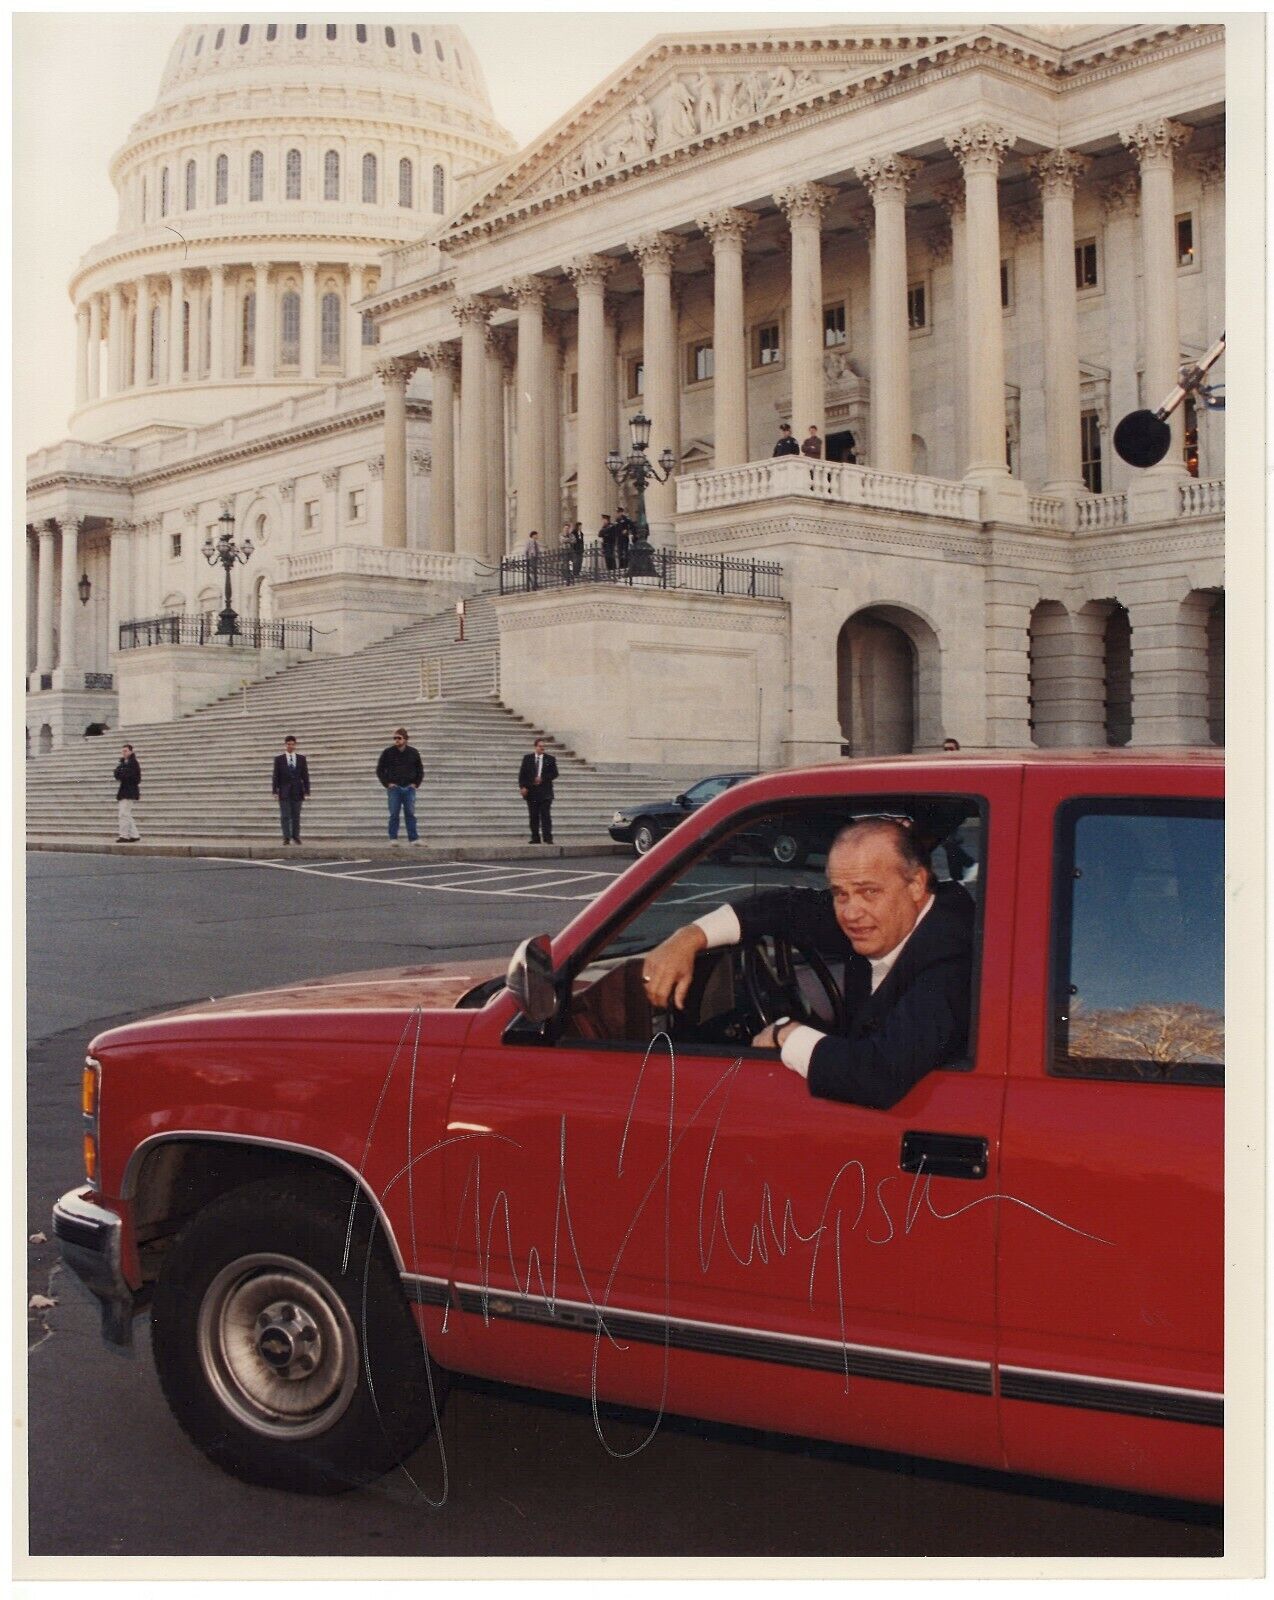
(588, 274)
(94, 346)
(115, 340)
(1056, 172)
(352, 344)
(118, 598)
(395, 373)
(1119, 209)
(886, 179)
(441, 360)
(70, 597)
(661, 397)
(141, 335)
(217, 328)
(81, 354)
(979, 148)
(528, 295)
(263, 353)
(174, 327)
(950, 196)
(198, 312)
(1169, 671)
(309, 320)
(1009, 603)
(727, 229)
(473, 314)
(499, 359)
(803, 204)
(1154, 144)
(1210, 165)
(46, 532)
(1068, 654)
(551, 428)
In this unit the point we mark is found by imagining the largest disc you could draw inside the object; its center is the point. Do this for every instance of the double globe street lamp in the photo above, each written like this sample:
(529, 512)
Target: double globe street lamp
(636, 472)
(228, 554)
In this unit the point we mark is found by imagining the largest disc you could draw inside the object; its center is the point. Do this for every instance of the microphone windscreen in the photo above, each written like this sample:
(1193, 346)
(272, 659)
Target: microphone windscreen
(1143, 439)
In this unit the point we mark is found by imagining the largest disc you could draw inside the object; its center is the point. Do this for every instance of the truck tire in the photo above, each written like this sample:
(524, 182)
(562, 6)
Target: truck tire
(282, 1366)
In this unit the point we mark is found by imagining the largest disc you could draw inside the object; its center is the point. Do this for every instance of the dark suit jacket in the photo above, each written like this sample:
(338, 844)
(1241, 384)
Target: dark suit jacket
(787, 446)
(288, 782)
(548, 774)
(917, 1020)
(129, 773)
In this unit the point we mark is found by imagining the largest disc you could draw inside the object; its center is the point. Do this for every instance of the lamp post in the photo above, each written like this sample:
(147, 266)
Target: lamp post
(85, 588)
(227, 553)
(637, 472)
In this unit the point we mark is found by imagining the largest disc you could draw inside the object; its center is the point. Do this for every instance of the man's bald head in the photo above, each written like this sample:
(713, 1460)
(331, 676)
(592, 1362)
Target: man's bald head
(879, 881)
(911, 857)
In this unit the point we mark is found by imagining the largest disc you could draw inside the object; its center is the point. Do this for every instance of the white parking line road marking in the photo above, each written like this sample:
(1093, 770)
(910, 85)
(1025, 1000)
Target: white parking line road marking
(481, 877)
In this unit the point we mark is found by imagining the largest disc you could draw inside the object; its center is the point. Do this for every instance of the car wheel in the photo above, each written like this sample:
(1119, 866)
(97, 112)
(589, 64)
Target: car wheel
(287, 1353)
(643, 837)
(788, 851)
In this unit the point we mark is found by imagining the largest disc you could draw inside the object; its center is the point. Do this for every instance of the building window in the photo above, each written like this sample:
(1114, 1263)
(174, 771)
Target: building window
(256, 175)
(440, 190)
(1086, 264)
(222, 190)
(174, 546)
(917, 306)
(154, 343)
(357, 502)
(331, 30)
(330, 330)
(271, 32)
(389, 37)
(163, 193)
(834, 331)
(572, 394)
(1190, 431)
(331, 176)
(369, 180)
(248, 343)
(360, 33)
(207, 338)
(1010, 452)
(635, 373)
(191, 185)
(699, 361)
(220, 39)
(1185, 240)
(244, 31)
(1006, 285)
(405, 182)
(292, 175)
(301, 30)
(415, 43)
(369, 329)
(185, 335)
(1090, 451)
(199, 45)
(290, 329)
(311, 516)
(144, 197)
(766, 350)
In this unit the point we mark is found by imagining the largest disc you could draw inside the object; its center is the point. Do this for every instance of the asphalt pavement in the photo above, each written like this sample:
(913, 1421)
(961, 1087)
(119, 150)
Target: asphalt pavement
(111, 937)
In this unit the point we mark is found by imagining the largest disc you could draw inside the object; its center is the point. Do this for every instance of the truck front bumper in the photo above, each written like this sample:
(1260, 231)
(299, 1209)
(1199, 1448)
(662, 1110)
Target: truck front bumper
(88, 1236)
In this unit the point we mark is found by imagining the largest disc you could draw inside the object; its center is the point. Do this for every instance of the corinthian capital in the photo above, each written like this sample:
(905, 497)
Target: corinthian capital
(589, 272)
(1118, 195)
(469, 308)
(1210, 166)
(980, 146)
(395, 371)
(950, 196)
(727, 226)
(656, 251)
(887, 177)
(529, 290)
(440, 357)
(1056, 171)
(804, 202)
(1156, 141)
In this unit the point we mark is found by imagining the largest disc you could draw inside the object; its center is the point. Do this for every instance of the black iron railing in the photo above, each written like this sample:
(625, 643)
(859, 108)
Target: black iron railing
(253, 634)
(738, 576)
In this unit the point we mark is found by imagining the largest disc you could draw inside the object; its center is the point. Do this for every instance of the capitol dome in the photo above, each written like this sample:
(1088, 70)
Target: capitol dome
(279, 160)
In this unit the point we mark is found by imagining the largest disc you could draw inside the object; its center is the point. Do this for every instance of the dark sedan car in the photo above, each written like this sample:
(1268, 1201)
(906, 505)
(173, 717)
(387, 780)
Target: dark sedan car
(642, 825)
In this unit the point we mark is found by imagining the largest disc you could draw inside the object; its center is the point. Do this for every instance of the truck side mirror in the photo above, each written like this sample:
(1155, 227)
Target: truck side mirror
(530, 978)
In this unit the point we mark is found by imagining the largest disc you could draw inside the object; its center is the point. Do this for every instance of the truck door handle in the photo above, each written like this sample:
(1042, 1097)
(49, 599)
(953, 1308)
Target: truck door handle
(945, 1155)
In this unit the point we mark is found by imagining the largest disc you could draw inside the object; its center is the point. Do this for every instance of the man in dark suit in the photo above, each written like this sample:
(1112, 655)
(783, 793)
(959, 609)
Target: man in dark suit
(536, 777)
(291, 787)
(608, 533)
(128, 774)
(907, 945)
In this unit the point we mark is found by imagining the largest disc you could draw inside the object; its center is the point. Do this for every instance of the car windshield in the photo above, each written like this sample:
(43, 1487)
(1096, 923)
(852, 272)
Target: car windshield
(707, 789)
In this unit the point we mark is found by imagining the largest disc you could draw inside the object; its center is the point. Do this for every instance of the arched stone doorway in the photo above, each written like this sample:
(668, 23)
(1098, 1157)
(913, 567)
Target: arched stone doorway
(263, 599)
(887, 694)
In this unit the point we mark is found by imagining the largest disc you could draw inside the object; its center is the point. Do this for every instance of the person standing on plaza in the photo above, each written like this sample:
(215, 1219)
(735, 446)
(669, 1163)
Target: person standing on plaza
(787, 445)
(290, 786)
(812, 444)
(401, 771)
(128, 774)
(536, 777)
(608, 534)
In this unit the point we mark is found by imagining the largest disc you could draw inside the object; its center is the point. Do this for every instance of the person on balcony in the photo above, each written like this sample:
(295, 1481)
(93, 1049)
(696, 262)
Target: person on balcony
(812, 444)
(787, 445)
(573, 540)
(608, 533)
(531, 553)
(128, 774)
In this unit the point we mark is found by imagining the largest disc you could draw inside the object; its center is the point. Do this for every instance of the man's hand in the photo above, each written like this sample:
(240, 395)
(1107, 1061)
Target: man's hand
(767, 1039)
(669, 967)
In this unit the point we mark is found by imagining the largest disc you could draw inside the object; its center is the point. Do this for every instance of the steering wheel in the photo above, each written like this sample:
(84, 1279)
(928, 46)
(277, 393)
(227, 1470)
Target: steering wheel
(769, 976)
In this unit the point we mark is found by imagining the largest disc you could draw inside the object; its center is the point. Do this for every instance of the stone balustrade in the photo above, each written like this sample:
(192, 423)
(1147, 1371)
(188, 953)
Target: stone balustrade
(375, 561)
(1202, 497)
(1046, 512)
(1095, 513)
(840, 483)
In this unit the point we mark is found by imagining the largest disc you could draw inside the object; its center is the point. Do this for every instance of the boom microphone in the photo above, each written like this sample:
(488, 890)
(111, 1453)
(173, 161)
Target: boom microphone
(1142, 438)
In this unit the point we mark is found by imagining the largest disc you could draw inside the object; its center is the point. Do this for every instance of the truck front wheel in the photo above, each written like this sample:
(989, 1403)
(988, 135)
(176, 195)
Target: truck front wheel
(283, 1341)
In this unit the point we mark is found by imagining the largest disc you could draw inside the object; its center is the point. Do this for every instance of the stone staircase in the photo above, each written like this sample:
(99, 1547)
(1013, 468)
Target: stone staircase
(207, 776)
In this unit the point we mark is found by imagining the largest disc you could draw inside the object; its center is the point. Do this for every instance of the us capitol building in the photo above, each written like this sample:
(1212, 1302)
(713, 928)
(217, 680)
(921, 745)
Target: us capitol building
(341, 307)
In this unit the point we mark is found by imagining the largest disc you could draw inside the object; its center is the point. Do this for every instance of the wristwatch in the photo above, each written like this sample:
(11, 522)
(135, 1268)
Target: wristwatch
(779, 1022)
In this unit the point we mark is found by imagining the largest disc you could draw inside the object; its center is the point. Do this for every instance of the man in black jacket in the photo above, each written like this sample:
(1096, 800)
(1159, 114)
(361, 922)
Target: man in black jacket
(786, 446)
(907, 946)
(401, 771)
(128, 774)
(290, 786)
(536, 777)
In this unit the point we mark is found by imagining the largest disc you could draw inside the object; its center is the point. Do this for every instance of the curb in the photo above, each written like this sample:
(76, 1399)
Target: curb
(378, 850)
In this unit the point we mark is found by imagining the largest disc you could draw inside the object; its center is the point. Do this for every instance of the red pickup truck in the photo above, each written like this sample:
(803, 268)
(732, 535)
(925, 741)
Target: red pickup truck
(334, 1194)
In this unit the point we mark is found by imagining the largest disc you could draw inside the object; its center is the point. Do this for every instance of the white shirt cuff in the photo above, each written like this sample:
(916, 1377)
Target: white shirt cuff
(799, 1046)
(720, 927)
